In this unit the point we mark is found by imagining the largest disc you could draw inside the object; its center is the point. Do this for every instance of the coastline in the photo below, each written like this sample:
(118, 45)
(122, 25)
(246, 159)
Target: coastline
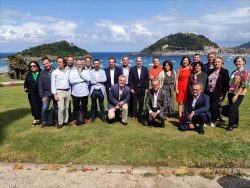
(164, 54)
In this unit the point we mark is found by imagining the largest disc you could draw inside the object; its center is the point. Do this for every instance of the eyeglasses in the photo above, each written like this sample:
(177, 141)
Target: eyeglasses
(32, 65)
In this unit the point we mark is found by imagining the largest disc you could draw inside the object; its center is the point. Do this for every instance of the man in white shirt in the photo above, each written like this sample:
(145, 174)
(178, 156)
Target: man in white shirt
(79, 80)
(60, 88)
(97, 90)
(125, 67)
(156, 104)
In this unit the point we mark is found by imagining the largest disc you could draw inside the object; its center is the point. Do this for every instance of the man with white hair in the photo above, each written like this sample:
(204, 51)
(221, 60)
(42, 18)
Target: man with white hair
(119, 95)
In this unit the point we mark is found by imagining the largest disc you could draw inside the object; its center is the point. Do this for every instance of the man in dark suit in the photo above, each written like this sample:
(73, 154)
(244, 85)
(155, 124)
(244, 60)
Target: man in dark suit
(139, 84)
(119, 95)
(197, 108)
(156, 103)
(112, 74)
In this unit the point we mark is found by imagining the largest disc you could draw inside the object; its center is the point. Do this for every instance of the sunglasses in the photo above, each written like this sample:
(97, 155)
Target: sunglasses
(32, 65)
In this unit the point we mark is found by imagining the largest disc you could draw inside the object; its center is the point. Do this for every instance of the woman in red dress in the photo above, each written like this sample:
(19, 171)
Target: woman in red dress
(182, 85)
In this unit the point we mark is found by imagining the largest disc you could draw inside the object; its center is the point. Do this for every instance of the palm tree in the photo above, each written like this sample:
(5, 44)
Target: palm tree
(18, 66)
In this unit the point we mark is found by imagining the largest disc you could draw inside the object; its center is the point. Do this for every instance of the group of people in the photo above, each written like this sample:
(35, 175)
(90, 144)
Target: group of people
(200, 91)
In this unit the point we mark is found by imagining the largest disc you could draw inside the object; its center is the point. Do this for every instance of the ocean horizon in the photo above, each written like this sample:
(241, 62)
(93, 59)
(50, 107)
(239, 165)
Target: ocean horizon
(147, 60)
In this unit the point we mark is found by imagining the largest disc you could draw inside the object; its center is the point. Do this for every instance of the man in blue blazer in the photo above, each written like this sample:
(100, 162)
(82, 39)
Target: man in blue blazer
(197, 109)
(112, 73)
(119, 95)
(139, 84)
(97, 90)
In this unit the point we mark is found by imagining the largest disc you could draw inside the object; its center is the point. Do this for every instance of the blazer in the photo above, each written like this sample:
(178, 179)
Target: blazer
(117, 73)
(161, 100)
(201, 106)
(222, 84)
(136, 83)
(45, 83)
(100, 80)
(31, 85)
(114, 95)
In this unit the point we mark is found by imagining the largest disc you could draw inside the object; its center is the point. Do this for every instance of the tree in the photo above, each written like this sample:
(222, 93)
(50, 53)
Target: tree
(17, 66)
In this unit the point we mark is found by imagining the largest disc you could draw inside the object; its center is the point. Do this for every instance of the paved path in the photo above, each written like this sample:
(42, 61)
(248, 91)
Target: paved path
(103, 176)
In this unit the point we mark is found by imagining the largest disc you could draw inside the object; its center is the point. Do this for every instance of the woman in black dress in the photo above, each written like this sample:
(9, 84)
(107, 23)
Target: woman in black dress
(31, 87)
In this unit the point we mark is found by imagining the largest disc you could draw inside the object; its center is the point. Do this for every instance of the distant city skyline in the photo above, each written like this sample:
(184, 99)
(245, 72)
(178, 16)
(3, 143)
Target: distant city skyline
(116, 25)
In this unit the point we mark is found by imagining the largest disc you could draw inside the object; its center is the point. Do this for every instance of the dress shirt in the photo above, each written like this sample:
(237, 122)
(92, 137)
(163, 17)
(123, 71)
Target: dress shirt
(139, 72)
(194, 101)
(98, 85)
(125, 72)
(120, 92)
(60, 79)
(79, 81)
(155, 102)
(112, 76)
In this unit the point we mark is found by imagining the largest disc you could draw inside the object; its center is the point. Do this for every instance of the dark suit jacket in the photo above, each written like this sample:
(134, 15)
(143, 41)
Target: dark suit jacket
(201, 106)
(114, 95)
(222, 84)
(117, 73)
(45, 83)
(136, 83)
(161, 100)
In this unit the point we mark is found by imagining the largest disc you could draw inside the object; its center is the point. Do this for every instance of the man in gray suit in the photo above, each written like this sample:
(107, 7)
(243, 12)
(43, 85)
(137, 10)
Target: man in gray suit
(156, 104)
(119, 95)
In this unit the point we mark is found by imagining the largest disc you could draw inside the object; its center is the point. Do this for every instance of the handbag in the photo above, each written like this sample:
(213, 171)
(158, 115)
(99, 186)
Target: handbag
(52, 117)
(225, 110)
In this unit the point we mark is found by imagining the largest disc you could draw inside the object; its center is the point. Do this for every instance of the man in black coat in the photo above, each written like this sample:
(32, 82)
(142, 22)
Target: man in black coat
(197, 109)
(112, 74)
(45, 89)
(139, 84)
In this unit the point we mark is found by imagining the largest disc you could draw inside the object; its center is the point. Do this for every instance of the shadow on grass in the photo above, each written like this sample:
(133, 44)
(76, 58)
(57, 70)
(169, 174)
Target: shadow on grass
(233, 181)
(9, 116)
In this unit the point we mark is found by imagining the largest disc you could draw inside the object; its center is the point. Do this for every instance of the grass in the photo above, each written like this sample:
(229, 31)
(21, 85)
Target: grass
(7, 79)
(101, 143)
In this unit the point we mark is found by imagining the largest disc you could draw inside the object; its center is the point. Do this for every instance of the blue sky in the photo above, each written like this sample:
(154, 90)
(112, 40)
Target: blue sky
(119, 25)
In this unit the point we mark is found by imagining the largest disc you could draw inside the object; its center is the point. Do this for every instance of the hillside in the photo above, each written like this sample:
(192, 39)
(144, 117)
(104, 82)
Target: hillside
(246, 45)
(62, 48)
(180, 41)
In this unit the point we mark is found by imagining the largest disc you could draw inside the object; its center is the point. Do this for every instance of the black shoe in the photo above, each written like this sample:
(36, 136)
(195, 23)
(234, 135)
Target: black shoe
(201, 130)
(103, 119)
(124, 123)
(229, 129)
(59, 126)
(163, 124)
(235, 126)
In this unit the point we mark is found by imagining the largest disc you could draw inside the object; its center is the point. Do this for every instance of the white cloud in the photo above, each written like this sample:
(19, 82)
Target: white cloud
(34, 29)
(29, 31)
(224, 27)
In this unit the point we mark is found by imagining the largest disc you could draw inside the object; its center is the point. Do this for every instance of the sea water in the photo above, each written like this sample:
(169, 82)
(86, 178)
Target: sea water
(147, 60)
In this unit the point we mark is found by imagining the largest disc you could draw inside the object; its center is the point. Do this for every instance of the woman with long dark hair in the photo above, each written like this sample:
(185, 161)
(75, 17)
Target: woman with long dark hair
(31, 87)
(167, 79)
(238, 84)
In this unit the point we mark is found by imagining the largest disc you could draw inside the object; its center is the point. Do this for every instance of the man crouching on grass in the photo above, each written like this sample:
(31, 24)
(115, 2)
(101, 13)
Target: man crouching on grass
(197, 109)
(119, 95)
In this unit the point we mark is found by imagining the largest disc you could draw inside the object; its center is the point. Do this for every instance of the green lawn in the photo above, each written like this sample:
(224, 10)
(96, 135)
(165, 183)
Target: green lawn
(7, 79)
(101, 143)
